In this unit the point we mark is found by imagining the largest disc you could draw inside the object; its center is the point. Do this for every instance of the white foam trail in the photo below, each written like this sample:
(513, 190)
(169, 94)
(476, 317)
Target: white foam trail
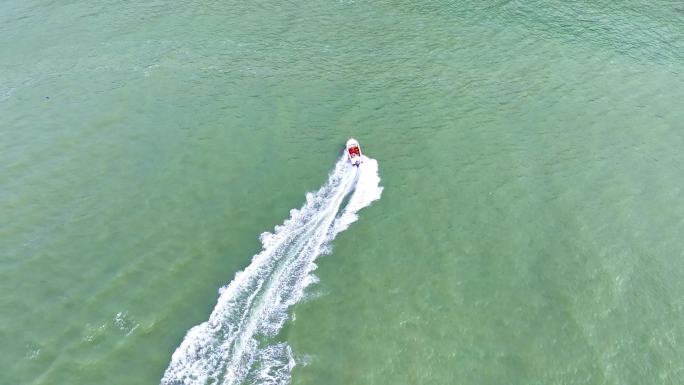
(235, 345)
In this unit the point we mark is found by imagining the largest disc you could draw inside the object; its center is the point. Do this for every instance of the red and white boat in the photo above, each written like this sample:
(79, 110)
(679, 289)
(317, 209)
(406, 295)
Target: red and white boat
(354, 152)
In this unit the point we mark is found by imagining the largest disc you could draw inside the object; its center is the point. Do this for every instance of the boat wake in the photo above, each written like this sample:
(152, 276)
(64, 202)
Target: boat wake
(235, 346)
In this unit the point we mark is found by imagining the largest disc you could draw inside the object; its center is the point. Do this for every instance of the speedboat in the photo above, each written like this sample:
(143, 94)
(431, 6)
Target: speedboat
(354, 152)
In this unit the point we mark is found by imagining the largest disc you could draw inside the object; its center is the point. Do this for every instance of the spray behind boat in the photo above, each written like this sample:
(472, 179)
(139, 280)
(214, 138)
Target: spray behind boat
(240, 343)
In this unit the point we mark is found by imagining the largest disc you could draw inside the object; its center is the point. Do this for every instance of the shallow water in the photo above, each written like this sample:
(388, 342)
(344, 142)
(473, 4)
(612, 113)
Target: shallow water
(529, 230)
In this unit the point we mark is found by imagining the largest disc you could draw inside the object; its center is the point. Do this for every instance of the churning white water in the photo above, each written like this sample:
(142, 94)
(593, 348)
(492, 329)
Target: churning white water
(232, 346)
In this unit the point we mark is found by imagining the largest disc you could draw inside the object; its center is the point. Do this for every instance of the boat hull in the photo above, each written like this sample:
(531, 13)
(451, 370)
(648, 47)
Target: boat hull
(353, 151)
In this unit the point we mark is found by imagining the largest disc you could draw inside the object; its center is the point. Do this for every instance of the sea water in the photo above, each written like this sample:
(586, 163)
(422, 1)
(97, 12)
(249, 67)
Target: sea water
(529, 230)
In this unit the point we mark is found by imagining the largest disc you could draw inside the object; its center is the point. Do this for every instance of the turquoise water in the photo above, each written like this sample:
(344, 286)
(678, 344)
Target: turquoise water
(529, 230)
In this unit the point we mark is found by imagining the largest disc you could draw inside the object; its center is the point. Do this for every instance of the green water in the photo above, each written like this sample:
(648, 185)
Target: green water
(529, 232)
